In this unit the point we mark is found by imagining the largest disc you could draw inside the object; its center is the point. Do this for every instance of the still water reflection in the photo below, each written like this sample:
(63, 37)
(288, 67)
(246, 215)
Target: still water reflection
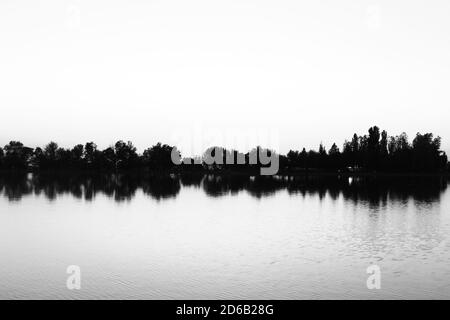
(223, 237)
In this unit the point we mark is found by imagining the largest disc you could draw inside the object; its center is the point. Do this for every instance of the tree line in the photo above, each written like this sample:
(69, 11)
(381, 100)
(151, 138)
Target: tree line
(375, 151)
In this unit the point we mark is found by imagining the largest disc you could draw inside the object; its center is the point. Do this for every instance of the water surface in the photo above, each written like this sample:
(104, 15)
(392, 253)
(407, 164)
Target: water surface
(213, 237)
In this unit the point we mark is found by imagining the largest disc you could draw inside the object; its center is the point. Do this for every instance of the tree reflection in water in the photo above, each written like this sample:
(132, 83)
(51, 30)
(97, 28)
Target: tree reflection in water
(375, 191)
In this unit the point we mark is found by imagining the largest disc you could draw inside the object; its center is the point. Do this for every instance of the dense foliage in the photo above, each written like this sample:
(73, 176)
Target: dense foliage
(377, 152)
(373, 152)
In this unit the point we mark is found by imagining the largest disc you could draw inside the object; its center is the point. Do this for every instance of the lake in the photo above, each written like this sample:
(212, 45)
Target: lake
(223, 237)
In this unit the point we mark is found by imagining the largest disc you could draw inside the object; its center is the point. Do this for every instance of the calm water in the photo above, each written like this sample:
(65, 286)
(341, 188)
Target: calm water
(196, 237)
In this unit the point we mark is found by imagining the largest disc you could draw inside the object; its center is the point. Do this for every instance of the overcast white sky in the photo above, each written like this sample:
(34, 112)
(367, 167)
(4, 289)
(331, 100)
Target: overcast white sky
(311, 71)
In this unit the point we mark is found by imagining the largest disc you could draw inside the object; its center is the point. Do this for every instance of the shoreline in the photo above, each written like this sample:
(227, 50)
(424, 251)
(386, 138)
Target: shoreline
(230, 173)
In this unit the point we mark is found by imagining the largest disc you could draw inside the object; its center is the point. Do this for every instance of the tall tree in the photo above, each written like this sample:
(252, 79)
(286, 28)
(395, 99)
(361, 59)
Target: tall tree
(373, 156)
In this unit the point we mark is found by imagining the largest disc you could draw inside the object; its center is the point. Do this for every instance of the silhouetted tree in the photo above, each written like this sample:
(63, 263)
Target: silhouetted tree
(108, 159)
(48, 160)
(426, 154)
(399, 153)
(373, 148)
(351, 153)
(158, 157)
(293, 158)
(322, 157)
(384, 150)
(76, 156)
(16, 156)
(303, 159)
(126, 156)
(90, 154)
(335, 160)
(37, 158)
